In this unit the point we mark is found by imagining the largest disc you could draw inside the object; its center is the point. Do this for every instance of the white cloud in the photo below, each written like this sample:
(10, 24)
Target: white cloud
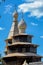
(1, 28)
(8, 9)
(34, 24)
(35, 8)
(41, 36)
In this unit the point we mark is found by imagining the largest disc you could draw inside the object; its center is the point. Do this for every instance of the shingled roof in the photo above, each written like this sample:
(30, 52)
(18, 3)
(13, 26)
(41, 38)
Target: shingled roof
(21, 54)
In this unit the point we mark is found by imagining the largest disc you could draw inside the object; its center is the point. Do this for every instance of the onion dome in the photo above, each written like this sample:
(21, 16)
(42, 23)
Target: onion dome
(15, 14)
(14, 27)
(22, 26)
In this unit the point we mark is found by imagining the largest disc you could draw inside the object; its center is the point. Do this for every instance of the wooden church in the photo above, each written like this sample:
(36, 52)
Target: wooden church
(19, 48)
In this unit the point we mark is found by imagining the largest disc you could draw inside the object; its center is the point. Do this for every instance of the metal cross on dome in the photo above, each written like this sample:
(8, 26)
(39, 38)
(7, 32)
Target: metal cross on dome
(15, 7)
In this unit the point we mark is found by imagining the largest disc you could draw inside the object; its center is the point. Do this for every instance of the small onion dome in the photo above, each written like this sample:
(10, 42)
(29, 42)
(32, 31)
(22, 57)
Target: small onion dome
(22, 26)
(15, 14)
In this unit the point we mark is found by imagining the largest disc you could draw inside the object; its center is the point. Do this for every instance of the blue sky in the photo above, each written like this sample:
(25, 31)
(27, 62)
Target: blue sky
(32, 14)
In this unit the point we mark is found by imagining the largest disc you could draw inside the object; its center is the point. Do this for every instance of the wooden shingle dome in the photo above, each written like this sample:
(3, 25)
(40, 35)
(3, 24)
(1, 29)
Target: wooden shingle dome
(22, 26)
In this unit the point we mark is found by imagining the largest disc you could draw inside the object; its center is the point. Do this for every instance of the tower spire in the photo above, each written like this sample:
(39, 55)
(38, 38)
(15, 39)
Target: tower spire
(14, 27)
(15, 14)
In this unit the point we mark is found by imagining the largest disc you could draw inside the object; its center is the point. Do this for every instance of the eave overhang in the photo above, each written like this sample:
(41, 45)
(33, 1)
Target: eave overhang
(22, 55)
